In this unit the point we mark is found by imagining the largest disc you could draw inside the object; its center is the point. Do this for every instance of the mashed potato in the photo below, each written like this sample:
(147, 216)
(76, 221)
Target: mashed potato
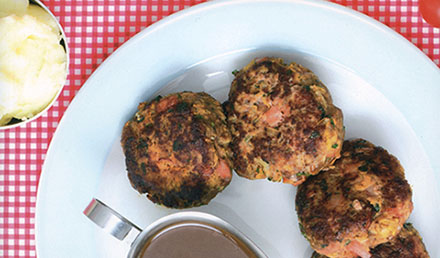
(32, 61)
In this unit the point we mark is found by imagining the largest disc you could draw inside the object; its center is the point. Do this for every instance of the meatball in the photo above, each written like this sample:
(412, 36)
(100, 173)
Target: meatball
(283, 123)
(407, 244)
(362, 202)
(176, 149)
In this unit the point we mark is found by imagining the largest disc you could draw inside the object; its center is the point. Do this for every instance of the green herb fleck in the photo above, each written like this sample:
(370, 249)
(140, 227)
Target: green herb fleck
(200, 117)
(235, 72)
(324, 245)
(213, 125)
(323, 114)
(302, 173)
(363, 168)
(157, 98)
(347, 242)
(314, 135)
(142, 144)
(179, 96)
(316, 255)
(303, 231)
(307, 88)
(144, 168)
(258, 169)
(281, 178)
(177, 145)
(139, 118)
(318, 83)
(359, 144)
(334, 146)
(332, 122)
(377, 207)
(323, 185)
(182, 107)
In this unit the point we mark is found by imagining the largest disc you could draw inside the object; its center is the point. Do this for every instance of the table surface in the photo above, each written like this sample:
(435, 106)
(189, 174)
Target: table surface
(95, 28)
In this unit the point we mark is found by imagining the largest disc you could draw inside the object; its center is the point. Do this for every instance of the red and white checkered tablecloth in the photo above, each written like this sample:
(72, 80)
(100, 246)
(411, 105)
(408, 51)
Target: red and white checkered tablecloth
(95, 28)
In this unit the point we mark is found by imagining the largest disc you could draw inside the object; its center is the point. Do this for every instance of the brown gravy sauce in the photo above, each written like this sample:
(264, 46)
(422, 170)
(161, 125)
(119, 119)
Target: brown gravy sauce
(195, 240)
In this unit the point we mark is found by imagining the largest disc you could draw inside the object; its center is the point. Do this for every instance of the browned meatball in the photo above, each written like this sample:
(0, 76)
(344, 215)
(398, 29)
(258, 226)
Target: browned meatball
(176, 149)
(362, 202)
(283, 122)
(407, 244)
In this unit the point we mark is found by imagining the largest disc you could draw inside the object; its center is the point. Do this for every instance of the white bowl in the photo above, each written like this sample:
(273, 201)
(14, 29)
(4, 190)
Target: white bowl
(63, 42)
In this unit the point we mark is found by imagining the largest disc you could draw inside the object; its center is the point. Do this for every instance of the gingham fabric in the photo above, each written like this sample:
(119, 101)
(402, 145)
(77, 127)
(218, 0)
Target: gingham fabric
(95, 28)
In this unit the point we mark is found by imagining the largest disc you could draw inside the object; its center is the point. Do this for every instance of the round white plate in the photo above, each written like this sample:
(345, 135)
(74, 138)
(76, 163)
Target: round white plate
(387, 89)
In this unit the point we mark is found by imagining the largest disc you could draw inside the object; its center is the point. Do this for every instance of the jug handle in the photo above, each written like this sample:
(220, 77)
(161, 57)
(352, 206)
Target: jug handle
(111, 221)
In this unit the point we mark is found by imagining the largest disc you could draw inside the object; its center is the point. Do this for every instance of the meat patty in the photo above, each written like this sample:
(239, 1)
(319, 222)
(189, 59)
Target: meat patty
(177, 149)
(407, 244)
(362, 202)
(283, 122)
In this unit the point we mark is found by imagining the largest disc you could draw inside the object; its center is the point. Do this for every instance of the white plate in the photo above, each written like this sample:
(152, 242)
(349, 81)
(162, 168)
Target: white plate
(387, 89)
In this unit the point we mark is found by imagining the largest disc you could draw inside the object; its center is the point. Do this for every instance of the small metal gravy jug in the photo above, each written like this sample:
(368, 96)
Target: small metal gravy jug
(118, 226)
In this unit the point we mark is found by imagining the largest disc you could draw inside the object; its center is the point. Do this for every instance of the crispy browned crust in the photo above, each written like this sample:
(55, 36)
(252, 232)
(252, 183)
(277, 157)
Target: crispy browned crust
(407, 244)
(363, 200)
(309, 136)
(174, 148)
